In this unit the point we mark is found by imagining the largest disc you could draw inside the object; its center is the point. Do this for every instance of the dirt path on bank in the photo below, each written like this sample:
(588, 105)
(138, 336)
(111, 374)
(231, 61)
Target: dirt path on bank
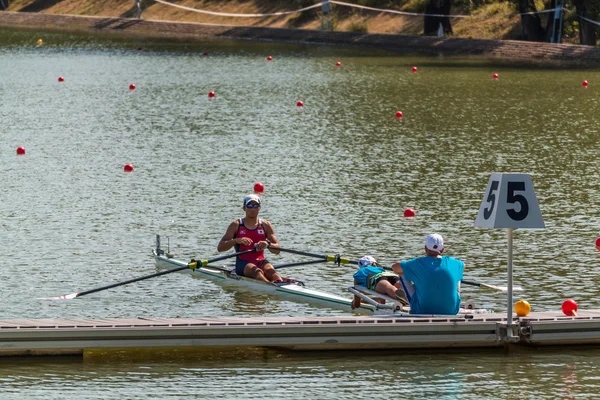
(562, 55)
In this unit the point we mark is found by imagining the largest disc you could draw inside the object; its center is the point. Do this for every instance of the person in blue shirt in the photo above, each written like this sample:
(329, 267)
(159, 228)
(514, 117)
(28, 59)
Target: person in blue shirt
(432, 282)
(374, 277)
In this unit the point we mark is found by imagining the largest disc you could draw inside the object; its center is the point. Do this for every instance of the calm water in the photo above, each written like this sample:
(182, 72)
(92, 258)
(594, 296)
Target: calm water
(338, 174)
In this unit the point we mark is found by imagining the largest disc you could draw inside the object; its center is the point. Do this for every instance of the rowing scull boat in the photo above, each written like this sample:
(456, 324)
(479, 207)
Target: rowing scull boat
(293, 290)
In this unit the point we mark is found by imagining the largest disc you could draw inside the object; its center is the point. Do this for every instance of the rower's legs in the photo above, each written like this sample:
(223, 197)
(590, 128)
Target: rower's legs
(386, 287)
(271, 274)
(252, 271)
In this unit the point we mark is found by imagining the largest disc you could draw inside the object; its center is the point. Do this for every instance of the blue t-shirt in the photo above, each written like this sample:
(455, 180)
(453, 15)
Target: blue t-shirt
(436, 282)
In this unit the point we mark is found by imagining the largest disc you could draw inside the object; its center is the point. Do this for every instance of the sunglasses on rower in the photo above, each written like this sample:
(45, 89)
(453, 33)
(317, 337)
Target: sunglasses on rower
(252, 205)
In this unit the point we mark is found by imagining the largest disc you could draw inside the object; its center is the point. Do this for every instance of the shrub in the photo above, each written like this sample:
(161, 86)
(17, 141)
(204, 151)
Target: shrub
(358, 26)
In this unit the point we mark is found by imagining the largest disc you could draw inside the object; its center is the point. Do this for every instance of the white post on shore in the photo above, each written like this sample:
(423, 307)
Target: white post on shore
(509, 202)
(326, 9)
(510, 276)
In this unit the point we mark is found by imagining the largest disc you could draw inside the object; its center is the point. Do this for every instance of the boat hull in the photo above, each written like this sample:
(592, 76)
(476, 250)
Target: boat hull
(290, 291)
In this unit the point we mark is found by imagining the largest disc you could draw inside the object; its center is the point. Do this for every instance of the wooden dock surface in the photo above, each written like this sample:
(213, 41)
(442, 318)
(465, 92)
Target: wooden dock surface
(74, 336)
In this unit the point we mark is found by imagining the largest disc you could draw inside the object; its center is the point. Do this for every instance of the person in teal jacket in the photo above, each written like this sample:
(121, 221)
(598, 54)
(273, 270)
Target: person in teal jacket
(432, 282)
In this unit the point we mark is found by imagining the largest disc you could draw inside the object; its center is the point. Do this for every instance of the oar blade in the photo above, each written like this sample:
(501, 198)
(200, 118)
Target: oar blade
(501, 288)
(65, 297)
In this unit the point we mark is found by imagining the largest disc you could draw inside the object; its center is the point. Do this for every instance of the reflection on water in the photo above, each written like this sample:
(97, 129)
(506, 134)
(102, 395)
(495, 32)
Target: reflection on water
(269, 374)
(338, 174)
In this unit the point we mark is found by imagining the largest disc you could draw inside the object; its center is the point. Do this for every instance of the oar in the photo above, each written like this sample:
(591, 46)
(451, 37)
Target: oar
(480, 285)
(294, 264)
(324, 257)
(192, 265)
(343, 260)
(493, 287)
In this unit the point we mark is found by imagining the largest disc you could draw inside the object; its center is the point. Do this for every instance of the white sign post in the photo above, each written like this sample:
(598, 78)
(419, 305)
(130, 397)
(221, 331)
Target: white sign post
(509, 202)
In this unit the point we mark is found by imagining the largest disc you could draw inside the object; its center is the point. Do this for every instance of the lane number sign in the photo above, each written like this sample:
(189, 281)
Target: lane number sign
(509, 202)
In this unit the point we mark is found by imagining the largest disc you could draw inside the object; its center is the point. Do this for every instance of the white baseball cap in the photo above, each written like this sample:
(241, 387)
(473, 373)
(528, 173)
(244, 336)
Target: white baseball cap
(251, 197)
(366, 260)
(434, 242)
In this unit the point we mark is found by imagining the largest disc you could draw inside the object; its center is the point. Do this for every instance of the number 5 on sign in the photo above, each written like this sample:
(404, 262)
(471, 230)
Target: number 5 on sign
(509, 202)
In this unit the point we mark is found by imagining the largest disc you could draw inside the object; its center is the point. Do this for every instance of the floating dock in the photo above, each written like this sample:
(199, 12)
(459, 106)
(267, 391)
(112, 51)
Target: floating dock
(72, 337)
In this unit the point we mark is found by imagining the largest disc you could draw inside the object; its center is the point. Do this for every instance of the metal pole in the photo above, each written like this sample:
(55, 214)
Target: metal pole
(326, 8)
(561, 22)
(554, 23)
(3, 6)
(509, 311)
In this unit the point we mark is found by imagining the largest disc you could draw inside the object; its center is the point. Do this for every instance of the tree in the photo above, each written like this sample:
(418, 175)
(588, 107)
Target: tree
(587, 30)
(432, 24)
(531, 23)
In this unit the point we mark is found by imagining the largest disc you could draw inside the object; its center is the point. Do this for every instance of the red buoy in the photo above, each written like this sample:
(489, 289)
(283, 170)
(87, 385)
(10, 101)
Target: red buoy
(598, 243)
(269, 58)
(569, 308)
(61, 79)
(409, 212)
(205, 53)
(495, 76)
(20, 151)
(128, 168)
(338, 64)
(139, 49)
(211, 95)
(299, 104)
(414, 69)
(399, 115)
(259, 188)
(132, 86)
(584, 83)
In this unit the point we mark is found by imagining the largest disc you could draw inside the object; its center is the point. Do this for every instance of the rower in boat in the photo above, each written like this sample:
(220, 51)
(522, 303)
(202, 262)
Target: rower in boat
(252, 232)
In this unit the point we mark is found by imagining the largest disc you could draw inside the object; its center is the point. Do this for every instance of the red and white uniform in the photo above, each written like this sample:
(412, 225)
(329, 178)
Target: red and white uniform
(257, 234)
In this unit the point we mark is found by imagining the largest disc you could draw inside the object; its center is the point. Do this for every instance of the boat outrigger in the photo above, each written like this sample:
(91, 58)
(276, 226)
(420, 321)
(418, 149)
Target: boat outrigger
(372, 302)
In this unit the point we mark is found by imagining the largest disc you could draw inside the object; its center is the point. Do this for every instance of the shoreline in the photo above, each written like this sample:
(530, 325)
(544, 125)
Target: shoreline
(515, 52)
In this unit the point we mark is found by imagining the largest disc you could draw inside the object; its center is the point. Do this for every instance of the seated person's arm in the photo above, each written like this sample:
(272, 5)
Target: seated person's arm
(397, 268)
(228, 240)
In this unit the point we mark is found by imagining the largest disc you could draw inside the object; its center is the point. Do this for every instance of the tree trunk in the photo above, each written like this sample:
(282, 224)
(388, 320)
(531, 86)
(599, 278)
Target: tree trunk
(587, 30)
(432, 24)
(531, 23)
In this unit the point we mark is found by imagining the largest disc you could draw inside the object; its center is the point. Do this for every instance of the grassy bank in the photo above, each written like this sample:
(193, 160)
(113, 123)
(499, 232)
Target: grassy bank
(490, 21)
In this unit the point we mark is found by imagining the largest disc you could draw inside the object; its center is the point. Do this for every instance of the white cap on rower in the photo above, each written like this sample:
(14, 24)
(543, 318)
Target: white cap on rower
(251, 197)
(366, 260)
(434, 242)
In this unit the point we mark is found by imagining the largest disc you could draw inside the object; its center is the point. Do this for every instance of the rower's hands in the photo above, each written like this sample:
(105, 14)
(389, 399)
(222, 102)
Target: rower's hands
(245, 241)
(263, 244)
